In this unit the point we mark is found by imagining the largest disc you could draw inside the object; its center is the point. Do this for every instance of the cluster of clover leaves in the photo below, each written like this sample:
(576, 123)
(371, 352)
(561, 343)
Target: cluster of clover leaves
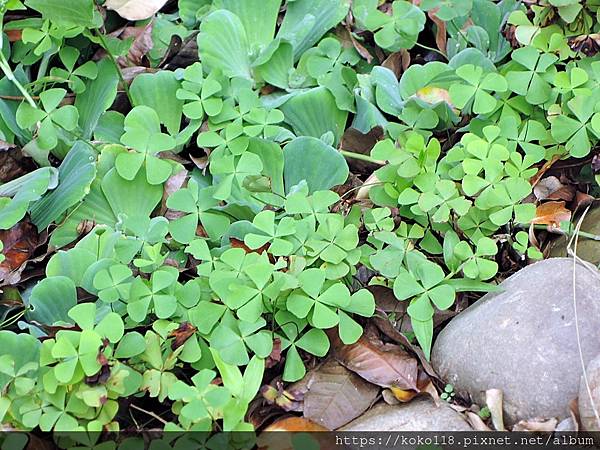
(181, 278)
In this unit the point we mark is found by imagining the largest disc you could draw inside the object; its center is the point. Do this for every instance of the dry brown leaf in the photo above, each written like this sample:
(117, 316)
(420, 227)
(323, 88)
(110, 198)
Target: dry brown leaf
(283, 441)
(382, 364)
(13, 163)
(135, 9)
(538, 176)
(387, 302)
(551, 214)
(236, 243)
(181, 334)
(361, 49)
(141, 45)
(173, 184)
(292, 424)
(19, 244)
(397, 62)
(274, 357)
(441, 36)
(337, 396)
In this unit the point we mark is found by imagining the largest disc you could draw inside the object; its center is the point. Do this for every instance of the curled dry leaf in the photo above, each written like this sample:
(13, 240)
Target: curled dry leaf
(551, 214)
(361, 49)
(337, 396)
(135, 9)
(550, 188)
(493, 400)
(382, 364)
(441, 36)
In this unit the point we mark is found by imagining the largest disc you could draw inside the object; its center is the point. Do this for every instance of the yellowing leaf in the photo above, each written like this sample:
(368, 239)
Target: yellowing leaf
(433, 95)
(135, 9)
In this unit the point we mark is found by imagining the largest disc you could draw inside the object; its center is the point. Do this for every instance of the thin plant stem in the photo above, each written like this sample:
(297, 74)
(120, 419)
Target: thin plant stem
(361, 157)
(349, 191)
(5, 67)
(431, 49)
(116, 64)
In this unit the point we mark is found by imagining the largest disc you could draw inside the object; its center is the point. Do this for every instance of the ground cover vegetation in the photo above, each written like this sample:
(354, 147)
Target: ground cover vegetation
(201, 200)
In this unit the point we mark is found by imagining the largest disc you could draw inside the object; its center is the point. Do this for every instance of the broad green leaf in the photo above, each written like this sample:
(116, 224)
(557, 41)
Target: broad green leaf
(314, 113)
(315, 162)
(51, 299)
(158, 91)
(223, 44)
(258, 17)
(306, 22)
(75, 174)
(69, 12)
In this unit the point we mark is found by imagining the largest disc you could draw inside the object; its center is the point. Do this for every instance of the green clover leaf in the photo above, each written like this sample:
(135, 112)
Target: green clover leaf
(199, 206)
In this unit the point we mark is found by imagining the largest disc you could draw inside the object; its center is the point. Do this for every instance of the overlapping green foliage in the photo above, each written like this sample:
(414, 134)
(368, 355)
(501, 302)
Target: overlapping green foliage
(257, 248)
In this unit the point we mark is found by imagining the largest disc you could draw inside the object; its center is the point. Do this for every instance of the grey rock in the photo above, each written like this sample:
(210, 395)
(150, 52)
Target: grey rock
(566, 425)
(587, 249)
(523, 340)
(421, 414)
(587, 416)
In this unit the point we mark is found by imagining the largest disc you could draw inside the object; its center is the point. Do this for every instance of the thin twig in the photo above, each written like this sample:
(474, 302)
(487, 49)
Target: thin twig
(150, 413)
